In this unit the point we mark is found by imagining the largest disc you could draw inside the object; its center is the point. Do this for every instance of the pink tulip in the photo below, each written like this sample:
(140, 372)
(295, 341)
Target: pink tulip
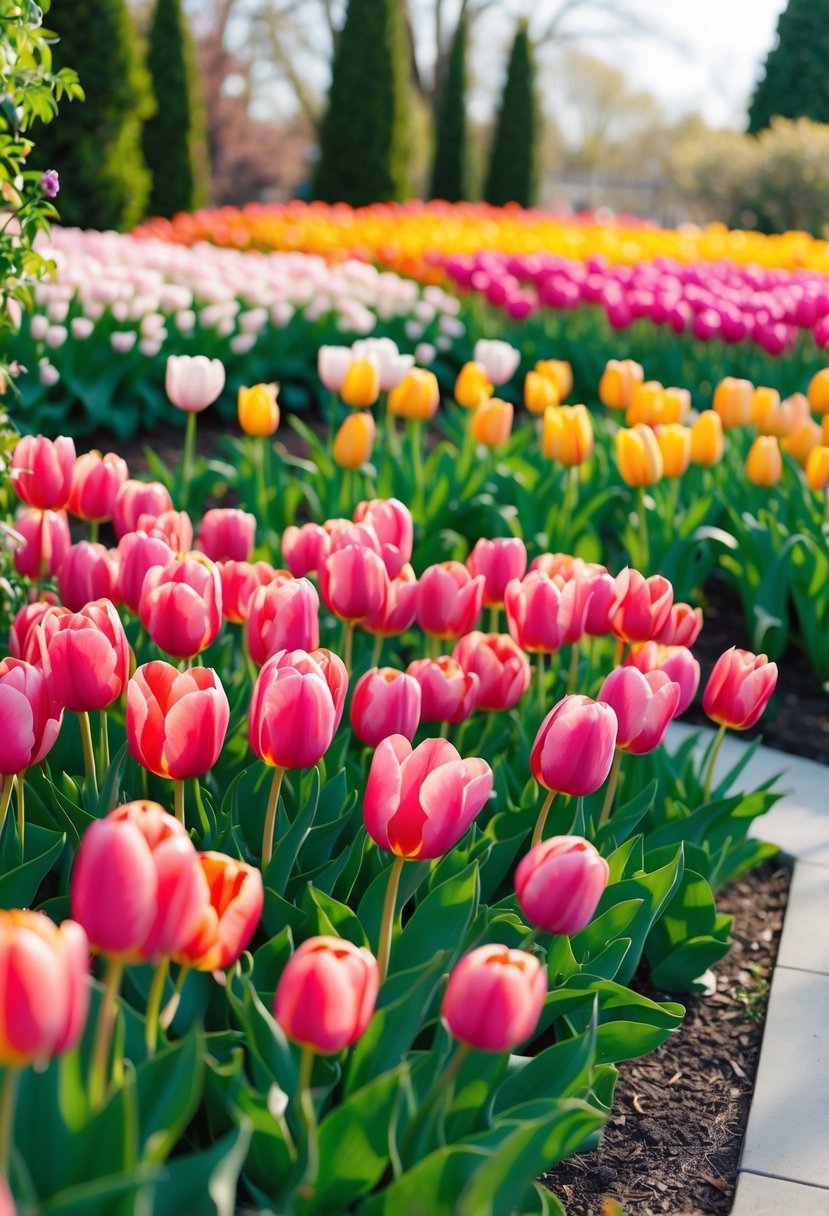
(176, 527)
(494, 998)
(333, 672)
(193, 381)
(139, 553)
(385, 702)
(678, 664)
(304, 549)
(88, 658)
(499, 562)
(641, 607)
(501, 667)
(38, 634)
(239, 581)
(419, 802)
(326, 994)
(29, 719)
(181, 606)
(449, 600)
(41, 471)
(227, 534)
(682, 627)
(282, 616)
(447, 692)
(559, 884)
(24, 623)
(229, 920)
(600, 605)
(398, 611)
(176, 721)
(96, 480)
(292, 717)
(573, 749)
(393, 524)
(644, 705)
(353, 583)
(88, 572)
(543, 614)
(47, 541)
(137, 498)
(739, 688)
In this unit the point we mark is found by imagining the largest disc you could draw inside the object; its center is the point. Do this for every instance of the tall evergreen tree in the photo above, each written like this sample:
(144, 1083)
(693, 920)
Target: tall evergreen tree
(364, 138)
(451, 165)
(511, 177)
(796, 82)
(173, 139)
(96, 144)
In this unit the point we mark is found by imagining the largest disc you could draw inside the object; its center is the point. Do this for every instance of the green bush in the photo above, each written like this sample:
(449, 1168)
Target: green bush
(512, 165)
(795, 83)
(451, 166)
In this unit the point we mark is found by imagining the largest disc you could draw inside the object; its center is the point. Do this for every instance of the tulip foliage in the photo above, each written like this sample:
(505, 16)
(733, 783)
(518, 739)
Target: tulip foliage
(356, 831)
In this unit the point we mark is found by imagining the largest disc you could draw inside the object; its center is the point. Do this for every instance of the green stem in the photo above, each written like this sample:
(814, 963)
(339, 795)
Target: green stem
(270, 816)
(540, 681)
(178, 787)
(5, 798)
(8, 1097)
(441, 1089)
(432, 646)
(612, 782)
(377, 650)
(88, 752)
(541, 821)
(21, 807)
(444, 730)
(573, 674)
(415, 427)
(309, 1122)
(170, 1010)
(620, 652)
(644, 542)
(571, 497)
(260, 457)
(494, 618)
(94, 530)
(715, 751)
(187, 459)
(154, 1005)
(103, 741)
(99, 1068)
(387, 922)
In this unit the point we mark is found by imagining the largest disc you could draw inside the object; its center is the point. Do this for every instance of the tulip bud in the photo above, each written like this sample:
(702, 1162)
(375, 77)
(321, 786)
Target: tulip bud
(573, 750)
(46, 542)
(568, 434)
(305, 548)
(817, 469)
(642, 606)
(193, 382)
(41, 471)
(498, 562)
(416, 397)
(292, 716)
(258, 409)
(674, 442)
(559, 884)
(176, 721)
(88, 572)
(354, 440)
(739, 688)
(618, 382)
(540, 392)
(419, 802)
(326, 994)
(227, 535)
(449, 600)
(361, 384)
(638, 456)
(385, 702)
(282, 616)
(707, 442)
(501, 667)
(181, 606)
(494, 998)
(644, 705)
(764, 464)
(447, 692)
(472, 386)
(230, 918)
(96, 480)
(88, 658)
(29, 719)
(560, 373)
(818, 392)
(491, 423)
(732, 401)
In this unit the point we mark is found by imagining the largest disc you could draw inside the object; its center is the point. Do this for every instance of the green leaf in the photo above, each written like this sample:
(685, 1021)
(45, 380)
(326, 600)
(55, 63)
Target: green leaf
(439, 921)
(19, 886)
(354, 1141)
(204, 1183)
(169, 1090)
(431, 1188)
(557, 1072)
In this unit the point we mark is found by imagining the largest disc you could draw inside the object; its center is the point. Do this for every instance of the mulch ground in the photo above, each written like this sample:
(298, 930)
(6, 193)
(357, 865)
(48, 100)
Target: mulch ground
(673, 1142)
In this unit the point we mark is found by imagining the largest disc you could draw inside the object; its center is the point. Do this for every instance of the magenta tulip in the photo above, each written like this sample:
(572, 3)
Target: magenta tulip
(573, 750)
(739, 688)
(353, 583)
(494, 998)
(392, 522)
(678, 664)
(292, 716)
(498, 562)
(385, 702)
(544, 614)
(181, 605)
(96, 480)
(449, 600)
(304, 549)
(644, 705)
(447, 692)
(501, 667)
(88, 572)
(641, 606)
(283, 615)
(137, 498)
(29, 719)
(176, 721)
(326, 995)
(41, 471)
(227, 534)
(88, 657)
(559, 884)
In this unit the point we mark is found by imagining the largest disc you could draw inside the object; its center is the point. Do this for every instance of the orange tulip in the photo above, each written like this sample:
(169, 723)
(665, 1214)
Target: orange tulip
(824, 426)
(354, 440)
(707, 439)
(818, 392)
(674, 442)
(638, 456)
(802, 440)
(674, 405)
(618, 381)
(258, 410)
(560, 372)
(540, 392)
(417, 396)
(568, 434)
(644, 403)
(491, 424)
(472, 386)
(817, 468)
(361, 384)
(764, 464)
(766, 412)
(732, 401)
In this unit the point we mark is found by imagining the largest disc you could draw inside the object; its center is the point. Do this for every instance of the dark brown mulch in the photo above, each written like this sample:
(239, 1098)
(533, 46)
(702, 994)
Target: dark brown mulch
(673, 1142)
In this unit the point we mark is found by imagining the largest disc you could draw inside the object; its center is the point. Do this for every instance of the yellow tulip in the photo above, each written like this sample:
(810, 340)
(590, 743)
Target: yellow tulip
(560, 372)
(732, 401)
(258, 410)
(824, 426)
(568, 434)
(417, 396)
(673, 405)
(540, 392)
(819, 391)
(817, 468)
(765, 411)
(472, 386)
(618, 381)
(764, 464)
(491, 423)
(803, 440)
(361, 383)
(354, 440)
(638, 456)
(674, 442)
(707, 441)
(644, 403)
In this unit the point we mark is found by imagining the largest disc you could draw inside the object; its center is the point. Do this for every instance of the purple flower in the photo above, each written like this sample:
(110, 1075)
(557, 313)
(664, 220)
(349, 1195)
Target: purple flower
(50, 183)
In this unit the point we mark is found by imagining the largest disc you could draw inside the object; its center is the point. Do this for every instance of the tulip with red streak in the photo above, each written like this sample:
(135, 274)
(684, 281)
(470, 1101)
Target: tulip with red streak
(449, 600)
(447, 692)
(24, 623)
(393, 524)
(176, 527)
(500, 665)
(641, 606)
(739, 688)
(137, 498)
(38, 633)
(353, 583)
(239, 581)
(304, 549)
(683, 626)
(89, 571)
(676, 661)
(398, 611)
(385, 702)
(544, 614)
(333, 672)
(227, 534)
(326, 995)
(181, 605)
(46, 541)
(494, 998)
(498, 561)
(29, 718)
(229, 920)
(601, 598)
(96, 480)
(46, 986)
(644, 704)
(559, 884)
(176, 721)
(41, 471)
(88, 657)
(282, 615)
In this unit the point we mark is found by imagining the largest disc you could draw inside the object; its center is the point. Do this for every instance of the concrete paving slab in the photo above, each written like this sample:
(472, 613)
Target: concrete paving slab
(788, 1125)
(804, 943)
(759, 1196)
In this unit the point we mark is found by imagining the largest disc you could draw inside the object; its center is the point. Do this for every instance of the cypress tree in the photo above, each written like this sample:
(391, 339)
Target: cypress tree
(96, 144)
(795, 83)
(450, 168)
(363, 148)
(511, 177)
(173, 139)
